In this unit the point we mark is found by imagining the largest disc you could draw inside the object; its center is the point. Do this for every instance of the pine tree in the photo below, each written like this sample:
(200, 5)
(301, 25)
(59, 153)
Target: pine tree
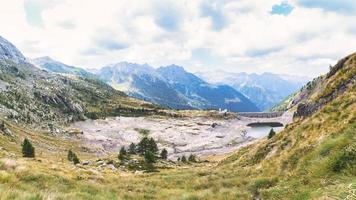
(76, 160)
(73, 157)
(142, 146)
(183, 159)
(164, 154)
(271, 133)
(150, 157)
(27, 149)
(2, 126)
(70, 155)
(192, 158)
(122, 154)
(152, 146)
(132, 148)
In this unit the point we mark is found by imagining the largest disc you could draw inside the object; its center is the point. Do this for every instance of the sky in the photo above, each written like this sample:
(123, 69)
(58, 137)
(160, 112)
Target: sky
(300, 37)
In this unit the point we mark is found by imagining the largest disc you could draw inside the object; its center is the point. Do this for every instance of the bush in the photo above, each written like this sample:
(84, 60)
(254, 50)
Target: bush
(271, 133)
(123, 154)
(183, 159)
(132, 148)
(262, 183)
(164, 154)
(192, 158)
(345, 159)
(73, 157)
(150, 157)
(27, 149)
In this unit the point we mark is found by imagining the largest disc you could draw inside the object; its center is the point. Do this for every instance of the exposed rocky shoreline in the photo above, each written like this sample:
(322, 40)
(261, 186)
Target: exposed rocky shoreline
(202, 136)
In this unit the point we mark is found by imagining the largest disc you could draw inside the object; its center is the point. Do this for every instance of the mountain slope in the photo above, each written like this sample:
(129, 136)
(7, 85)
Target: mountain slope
(141, 81)
(313, 158)
(316, 155)
(42, 99)
(265, 90)
(322, 89)
(51, 65)
(172, 87)
(203, 93)
(9, 52)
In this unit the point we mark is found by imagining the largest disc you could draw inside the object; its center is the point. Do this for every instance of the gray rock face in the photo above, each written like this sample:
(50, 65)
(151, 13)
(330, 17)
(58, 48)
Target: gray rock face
(10, 52)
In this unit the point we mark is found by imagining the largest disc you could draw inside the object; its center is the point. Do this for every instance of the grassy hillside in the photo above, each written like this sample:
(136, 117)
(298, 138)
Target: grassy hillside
(313, 158)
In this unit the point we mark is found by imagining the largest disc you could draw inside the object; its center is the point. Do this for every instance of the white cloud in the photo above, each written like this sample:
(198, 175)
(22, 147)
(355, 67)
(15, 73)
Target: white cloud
(249, 38)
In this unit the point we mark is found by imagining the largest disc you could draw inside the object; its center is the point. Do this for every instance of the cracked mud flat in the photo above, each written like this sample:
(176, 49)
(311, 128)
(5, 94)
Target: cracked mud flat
(181, 136)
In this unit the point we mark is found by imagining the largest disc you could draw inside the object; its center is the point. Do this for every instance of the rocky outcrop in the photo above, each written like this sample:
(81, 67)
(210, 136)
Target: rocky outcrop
(324, 89)
(9, 51)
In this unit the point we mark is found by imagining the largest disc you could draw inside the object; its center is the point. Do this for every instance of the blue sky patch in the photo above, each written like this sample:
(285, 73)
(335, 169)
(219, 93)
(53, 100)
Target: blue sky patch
(33, 11)
(167, 18)
(216, 15)
(282, 9)
(204, 56)
(340, 6)
(109, 44)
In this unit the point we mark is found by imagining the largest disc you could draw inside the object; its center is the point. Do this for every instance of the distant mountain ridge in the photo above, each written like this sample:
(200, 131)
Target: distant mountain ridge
(51, 65)
(143, 82)
(198, 90)
(48, 100)
(173, 87)
(265, 90)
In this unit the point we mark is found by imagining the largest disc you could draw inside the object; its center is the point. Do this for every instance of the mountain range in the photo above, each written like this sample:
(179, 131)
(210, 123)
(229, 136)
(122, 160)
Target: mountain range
(314, 157)
(265, 90)
(172, 86)
(169, 86)
(44, 99)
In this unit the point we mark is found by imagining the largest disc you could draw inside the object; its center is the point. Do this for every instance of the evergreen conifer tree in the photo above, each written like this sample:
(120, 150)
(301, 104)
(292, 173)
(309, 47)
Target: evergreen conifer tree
(271, 133)
(27, 149)
(122, 154)
(73, 157)
(192, 158)
(132, 148)
(150, 157)
(164, 154)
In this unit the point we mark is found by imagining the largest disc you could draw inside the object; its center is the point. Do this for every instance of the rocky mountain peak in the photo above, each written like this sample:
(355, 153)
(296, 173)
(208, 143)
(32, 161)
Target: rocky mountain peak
(9, 52)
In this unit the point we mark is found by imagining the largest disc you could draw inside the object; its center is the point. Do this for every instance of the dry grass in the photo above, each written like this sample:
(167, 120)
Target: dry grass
(311, 158)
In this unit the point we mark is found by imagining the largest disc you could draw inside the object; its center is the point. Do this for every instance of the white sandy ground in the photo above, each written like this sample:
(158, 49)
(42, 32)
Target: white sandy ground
(180, 136)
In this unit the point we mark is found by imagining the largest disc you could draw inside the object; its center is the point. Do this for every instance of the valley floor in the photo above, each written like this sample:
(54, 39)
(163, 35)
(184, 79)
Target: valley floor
(202, 136)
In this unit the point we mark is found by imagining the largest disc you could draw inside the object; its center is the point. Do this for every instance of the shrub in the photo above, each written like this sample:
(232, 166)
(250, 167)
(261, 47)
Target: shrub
(150, 157)
(123, 154)
(262, 183)
(132, 148)
(164, 154)
(183, 159)
(271, 133)
(73, 157)
(345, 159)
(27, 149)
(76, 160)
(192, 158)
